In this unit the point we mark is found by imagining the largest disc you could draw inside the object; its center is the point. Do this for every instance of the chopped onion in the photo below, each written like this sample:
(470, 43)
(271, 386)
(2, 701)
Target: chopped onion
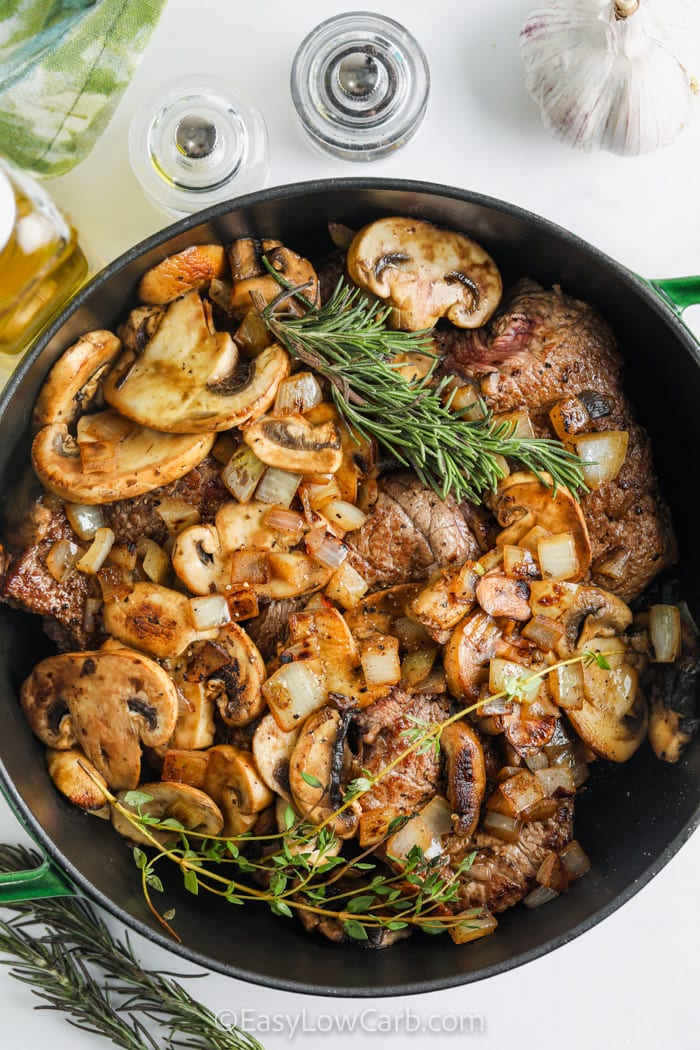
(537, 761)
(346, 586)
(96, 554)
(579, 770)
(299, 393)
(466, 400)
(243, 604)
(284, 520)
(518, 423)
(252, 335)
(539, 896)
(553, 873)
(415, 832)
(497, 705)
(294, 691)
(209, 612)
(220, 292)
(602, 455)
(294, 567)
(345, 515)
(529, 542)
(330, 551)
(437, 814)
(124, 555)
(491, 560)
(519, 563)
(411, 635)
(516, 795)
(380, 660)
(665, 633)
(566, 684)
(514, 532)
(416, 667)
(316, 494)
(242, 474)
(542, 810)
(250, 566)
(556, 781)
(61, 559)
(506, 772)
(92, 610)
(471, 927)
(84, 520)
(224, 446)
(568, 417)
(557, 556)
(156, 563)
(177, 513)
(552, 597)
(502, 673)
(278, 486)
(613, 564)
(116, 583)
(502, 825)
(575, 860)
(544, 632)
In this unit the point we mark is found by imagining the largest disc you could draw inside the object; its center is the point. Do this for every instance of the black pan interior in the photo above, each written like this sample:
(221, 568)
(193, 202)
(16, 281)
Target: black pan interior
(630, 819)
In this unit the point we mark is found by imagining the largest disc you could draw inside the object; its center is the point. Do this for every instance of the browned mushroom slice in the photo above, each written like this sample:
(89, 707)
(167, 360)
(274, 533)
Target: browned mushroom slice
(232, 779)
(191, 269)
(425, 273)
(466, 774)
(500, 595)
(188, 377)
(154, 619)
(472, 644)
(122, 459)
(591, 613)
(314, 768)
(74, 380)
(107, 702)
(74, 776)
(237, 684)
(252, 281)
(272, 751)
(613, 718)
(522, 493)
(140, 326)
(190, 807)
(293, 443)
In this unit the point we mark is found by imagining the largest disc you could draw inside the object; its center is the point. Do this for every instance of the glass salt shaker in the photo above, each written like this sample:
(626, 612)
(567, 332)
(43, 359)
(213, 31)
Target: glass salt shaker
(198, 143)
(360, 85)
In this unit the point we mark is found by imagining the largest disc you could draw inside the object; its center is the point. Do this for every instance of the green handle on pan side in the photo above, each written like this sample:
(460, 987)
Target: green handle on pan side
(35, 884)
(678, 292)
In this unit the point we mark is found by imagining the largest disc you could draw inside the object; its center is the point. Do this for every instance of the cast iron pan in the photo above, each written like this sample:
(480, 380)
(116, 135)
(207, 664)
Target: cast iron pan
(631, 819)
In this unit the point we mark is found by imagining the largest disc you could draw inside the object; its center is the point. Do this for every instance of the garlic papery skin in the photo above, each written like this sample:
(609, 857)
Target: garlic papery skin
(613, 74)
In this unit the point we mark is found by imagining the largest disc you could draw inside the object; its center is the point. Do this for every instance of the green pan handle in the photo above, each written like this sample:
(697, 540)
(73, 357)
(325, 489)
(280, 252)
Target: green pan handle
(678, 292)
(43, 881)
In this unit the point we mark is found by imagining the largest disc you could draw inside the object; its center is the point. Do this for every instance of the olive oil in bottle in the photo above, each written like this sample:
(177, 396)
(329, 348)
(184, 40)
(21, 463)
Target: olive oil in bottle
(41, 264)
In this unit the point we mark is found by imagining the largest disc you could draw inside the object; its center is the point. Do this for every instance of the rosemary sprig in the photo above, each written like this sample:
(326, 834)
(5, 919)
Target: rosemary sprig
(348, 341)
(64, 950)
(306, 870)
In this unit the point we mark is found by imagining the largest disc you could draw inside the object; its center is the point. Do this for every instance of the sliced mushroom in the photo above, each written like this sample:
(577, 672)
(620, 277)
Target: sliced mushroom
(592, 613)
(445, 600)
(425, 273)
(472, 644)
(293, 443)
(187, 377)
(612, 735)
(523, 493)
(74, 380)
(134, 459)
(232, 779)
(673, 717)
(140, 326)
(251, 279)
(107, 702)
(195, 726)
(195, 810)
(466, 774)
(272, 751)
(185, 271)
(74, 776)
(199, 561)
(500, 595)
(237, 684)
(312, 770)
(153, 619)
(185, 766)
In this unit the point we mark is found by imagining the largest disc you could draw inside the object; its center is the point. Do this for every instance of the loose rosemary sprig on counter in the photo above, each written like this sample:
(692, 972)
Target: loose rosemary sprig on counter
(67, 954)
(348, 341)
(304, 872)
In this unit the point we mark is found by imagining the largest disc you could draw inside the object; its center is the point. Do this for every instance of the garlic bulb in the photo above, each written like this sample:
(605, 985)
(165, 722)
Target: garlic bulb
(613, 74)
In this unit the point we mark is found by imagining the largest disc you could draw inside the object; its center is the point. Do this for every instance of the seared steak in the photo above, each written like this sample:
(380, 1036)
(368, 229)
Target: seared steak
(410, 534)
(542, 347)
(504, 872)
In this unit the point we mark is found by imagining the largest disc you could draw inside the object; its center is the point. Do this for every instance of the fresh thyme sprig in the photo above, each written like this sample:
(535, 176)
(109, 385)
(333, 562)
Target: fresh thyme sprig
(64, 950)
(306, 872)
(348, 341)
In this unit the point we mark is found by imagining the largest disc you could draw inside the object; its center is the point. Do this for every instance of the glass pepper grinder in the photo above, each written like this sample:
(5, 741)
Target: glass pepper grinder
(360, 85)
(198, 143)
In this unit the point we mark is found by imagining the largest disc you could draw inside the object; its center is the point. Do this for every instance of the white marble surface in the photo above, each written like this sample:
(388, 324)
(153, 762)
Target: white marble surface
(631, 981)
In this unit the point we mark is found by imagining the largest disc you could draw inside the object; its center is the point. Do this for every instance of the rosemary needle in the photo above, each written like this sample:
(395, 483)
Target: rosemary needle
(348, 341)
(64, 950)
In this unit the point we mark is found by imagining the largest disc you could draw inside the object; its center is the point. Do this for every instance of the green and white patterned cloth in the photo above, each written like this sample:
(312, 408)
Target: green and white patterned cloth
(63, 67)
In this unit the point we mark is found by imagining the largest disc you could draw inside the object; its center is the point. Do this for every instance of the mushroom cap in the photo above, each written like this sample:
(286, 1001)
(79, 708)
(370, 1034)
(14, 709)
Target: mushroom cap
(72, 383)
(191, 269)
(138, 459)
(186, 377)
(292, 442)
(153, 619)
(251, 280)
(194, 809)
(107, 702)
(425, 273)
(521, 493)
